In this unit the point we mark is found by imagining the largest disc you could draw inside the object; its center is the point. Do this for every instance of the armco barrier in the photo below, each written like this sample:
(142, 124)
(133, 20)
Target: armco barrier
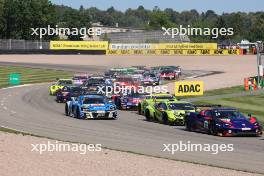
(173, 52)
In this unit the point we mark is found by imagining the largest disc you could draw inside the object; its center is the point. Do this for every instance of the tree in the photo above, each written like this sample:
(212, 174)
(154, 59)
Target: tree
(1, 18)
(17, 17)
(75, 19)
(159, 19)
(21, 16)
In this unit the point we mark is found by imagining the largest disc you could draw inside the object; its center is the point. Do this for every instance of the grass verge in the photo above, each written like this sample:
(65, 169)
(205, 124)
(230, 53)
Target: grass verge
(31, 75)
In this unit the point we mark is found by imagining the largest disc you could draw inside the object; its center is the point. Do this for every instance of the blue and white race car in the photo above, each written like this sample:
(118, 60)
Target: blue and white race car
(91, 107)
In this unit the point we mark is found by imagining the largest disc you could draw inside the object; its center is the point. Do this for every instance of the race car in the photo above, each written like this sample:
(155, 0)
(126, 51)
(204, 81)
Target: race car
(124, 70)
(79, 79)
(221, 121)
(59, 85)
(125, 81)
(169, 112)
(151, 100)
(91, 107)
(67, 92)
(168, 74)
(150, 79)
(94, 83)
(129, 101)
(176, 69)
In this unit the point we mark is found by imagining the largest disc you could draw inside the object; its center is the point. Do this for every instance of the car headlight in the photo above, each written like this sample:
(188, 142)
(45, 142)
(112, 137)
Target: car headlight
(85, 108)
(112, 108)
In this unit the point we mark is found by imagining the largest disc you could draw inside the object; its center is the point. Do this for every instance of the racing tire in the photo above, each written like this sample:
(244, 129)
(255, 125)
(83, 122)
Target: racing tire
(188, 126)
(212, 130)
(147, 115)
(139, 109)
(165, 119)
(118, 104)
(67, 110)
(155, 117)
(77, 113)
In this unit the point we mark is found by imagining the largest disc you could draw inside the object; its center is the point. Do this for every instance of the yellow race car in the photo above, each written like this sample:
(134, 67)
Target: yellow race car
(59, 85)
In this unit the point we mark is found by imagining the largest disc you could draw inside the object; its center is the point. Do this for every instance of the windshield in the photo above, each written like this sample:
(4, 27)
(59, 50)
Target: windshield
(181, 106)
(79, 78)
(96, 81)
(124, 80)
(167, 71)
(64, 82)
(94, 101)
(228, 114)
(150, 75)
(76, 89)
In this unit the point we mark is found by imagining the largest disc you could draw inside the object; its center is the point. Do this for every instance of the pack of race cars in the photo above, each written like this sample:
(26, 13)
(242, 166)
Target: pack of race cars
(85, 97)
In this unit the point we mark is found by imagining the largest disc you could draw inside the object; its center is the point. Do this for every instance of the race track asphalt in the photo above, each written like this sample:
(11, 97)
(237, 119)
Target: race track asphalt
(31, 109)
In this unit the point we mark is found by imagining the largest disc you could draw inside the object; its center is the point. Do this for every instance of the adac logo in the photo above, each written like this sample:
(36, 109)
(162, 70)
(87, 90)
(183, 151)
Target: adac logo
(189, 88)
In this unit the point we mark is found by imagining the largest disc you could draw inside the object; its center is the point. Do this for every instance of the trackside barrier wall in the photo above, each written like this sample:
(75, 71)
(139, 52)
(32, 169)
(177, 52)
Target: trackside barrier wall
(161, 46)
(79, 45)
(142, 49)
(173, 52)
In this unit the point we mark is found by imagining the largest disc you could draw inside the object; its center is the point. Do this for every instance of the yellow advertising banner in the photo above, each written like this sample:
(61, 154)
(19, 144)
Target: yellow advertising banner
(78, 45)
(161, 46)
(173, 52)
(187, 46)
(189, 88)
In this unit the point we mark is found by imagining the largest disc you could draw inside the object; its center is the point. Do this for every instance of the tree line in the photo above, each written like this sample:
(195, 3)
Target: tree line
(17, 17)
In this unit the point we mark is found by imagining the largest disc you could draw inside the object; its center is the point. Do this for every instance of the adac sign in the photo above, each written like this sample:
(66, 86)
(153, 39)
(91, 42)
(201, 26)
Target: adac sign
(189, 88)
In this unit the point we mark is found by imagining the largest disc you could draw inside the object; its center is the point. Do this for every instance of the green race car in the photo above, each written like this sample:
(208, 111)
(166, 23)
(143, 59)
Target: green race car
(151, 100)
(169, 112)
(59, 85)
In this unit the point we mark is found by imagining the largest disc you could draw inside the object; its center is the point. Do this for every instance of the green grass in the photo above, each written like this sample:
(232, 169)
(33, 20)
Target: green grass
(31, 75)
(223, 91)
(253, 104)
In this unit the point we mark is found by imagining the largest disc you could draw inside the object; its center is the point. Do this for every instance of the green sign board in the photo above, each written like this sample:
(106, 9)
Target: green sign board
(14, 79)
